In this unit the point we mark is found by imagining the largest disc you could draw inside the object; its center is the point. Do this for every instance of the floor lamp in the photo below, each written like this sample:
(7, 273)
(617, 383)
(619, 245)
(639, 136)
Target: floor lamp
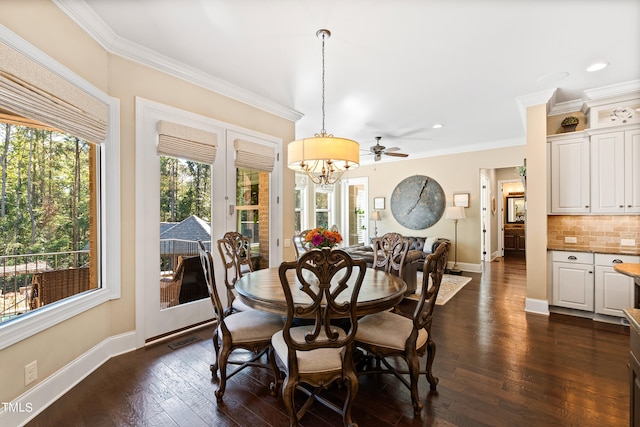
(375, 216)
(455, 213)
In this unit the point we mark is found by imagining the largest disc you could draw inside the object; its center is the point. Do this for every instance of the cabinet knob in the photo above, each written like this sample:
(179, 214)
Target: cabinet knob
(572, 258)
(587, 206)
(617, 261)
(621, 206)
(591, 272)
(628, 206)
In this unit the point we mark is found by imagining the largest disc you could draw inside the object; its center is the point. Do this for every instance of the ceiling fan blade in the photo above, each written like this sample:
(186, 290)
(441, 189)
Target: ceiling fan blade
(397, 154)
(392, 149)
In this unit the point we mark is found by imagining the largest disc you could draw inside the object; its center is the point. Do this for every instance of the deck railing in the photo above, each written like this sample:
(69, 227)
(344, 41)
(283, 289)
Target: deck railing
(16, 274)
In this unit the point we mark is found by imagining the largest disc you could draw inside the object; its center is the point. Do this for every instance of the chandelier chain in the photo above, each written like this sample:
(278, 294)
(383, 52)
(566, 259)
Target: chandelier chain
(323, 130)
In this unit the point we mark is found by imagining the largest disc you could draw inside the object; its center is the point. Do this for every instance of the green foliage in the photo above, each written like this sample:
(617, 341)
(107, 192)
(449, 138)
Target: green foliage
(185, 189)
(44, 200)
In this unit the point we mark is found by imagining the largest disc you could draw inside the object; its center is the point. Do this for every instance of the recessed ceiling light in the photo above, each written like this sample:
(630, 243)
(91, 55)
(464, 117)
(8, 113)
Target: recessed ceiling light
(437, 126)
(597, 66)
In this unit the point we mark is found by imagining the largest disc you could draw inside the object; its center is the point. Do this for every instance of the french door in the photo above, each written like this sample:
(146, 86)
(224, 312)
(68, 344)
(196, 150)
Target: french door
(180, 201)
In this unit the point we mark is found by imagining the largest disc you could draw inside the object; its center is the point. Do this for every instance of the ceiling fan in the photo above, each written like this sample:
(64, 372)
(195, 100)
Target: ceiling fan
(378, 150)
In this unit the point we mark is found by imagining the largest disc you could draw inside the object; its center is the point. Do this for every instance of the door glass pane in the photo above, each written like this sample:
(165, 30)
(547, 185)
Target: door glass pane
(252, 208)
(185, 211)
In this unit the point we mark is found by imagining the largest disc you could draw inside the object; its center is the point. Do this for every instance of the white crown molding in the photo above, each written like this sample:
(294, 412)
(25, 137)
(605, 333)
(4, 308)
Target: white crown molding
(84, 16)
(537, 98)
(620, 89)
(556, 109)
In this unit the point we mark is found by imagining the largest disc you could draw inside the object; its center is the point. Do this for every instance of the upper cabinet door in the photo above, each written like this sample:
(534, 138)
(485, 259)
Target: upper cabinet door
(570, 175)
(608, 173)
(632, 170)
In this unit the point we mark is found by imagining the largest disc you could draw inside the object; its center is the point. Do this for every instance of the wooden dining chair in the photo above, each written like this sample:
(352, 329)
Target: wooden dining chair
(235, 251)
(299, 245)
(387, 335)
(390, 252)
(249, 330)
(315, 355)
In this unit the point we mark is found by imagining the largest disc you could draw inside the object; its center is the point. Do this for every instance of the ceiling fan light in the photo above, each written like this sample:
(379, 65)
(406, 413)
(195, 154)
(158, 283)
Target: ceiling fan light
(437, 126)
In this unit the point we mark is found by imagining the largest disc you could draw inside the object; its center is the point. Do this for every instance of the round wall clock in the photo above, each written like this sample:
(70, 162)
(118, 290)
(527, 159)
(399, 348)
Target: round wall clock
(417, 202)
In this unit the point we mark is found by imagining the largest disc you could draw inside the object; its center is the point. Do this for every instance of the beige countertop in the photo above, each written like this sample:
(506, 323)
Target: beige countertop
(629, 269)
(633, 314)
(595, 249)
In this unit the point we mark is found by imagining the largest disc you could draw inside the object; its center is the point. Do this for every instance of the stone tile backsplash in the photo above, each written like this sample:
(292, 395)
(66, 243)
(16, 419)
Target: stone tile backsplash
(597, 232)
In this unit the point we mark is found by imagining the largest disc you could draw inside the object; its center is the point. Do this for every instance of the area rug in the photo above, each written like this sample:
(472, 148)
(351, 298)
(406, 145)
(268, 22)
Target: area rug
(449, 286)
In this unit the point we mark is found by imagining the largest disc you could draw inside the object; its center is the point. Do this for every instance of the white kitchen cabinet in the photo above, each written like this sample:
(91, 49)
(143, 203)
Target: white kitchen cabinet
(573, 282)
(613, 291)
(632, 170)
(570, 174)
(615, 172)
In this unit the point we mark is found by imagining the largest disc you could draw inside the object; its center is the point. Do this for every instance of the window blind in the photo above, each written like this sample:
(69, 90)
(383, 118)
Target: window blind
(256, 156)
(185, 142)
(31, 91)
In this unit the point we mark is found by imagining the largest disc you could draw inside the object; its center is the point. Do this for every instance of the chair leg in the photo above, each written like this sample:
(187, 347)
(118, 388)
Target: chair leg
(352, 391)
(288, 390)
(273, 388)
(222, 366)
(216, 350)
(431, 355)
(413, 363)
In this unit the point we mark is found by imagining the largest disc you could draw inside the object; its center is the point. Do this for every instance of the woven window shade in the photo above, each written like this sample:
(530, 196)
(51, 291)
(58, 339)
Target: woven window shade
(186, 142)
(31, 91)
(254, 156)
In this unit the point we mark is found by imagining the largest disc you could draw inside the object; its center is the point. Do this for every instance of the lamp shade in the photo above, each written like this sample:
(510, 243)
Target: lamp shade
(309, 154)
(375, 216)
(455, 212)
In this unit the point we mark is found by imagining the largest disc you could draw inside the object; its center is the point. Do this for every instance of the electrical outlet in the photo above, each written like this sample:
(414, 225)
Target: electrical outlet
(30, 372)
(570, 239)
(627, 242)
(287, 243)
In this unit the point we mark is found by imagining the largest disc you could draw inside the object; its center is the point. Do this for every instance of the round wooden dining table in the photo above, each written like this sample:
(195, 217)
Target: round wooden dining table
(261, 289)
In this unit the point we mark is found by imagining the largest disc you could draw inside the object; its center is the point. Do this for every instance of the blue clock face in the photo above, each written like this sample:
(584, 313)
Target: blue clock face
(417, 202)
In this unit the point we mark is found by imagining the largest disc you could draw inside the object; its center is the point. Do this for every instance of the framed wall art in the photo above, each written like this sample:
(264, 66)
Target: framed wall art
(378, 203)
(461, 199)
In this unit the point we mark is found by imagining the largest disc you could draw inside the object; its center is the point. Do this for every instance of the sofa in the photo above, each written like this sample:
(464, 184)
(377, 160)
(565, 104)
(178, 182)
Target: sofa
(412, 263)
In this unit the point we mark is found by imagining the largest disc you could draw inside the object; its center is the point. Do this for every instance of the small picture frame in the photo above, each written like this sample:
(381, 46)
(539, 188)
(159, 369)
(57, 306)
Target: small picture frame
(378, 203)
(461, 199)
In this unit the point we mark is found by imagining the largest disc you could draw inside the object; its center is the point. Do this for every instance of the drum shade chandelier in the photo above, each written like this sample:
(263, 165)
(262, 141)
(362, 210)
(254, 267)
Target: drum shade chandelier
(323, 157)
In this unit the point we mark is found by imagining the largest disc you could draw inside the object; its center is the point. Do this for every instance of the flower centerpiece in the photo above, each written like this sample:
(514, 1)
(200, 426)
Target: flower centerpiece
(322, 238)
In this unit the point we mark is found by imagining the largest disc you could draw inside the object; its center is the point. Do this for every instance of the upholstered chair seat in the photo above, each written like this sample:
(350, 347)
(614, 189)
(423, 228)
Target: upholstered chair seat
(389, 330)
(313, 361)
(252, 325)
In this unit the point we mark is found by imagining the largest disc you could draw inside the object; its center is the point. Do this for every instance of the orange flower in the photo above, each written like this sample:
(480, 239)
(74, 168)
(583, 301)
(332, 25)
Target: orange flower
(322, 238)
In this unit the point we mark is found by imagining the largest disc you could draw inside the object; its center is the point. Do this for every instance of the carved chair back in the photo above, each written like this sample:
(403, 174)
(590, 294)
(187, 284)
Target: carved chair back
(389, 253)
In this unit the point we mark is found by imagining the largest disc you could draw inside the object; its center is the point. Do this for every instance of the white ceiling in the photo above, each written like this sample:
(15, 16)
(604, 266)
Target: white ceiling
(393, 68)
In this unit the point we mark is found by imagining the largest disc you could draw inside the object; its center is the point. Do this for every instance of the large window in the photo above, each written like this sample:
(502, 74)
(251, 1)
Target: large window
(59, 194)
(300, 203)
(47, 218)
(324, 207)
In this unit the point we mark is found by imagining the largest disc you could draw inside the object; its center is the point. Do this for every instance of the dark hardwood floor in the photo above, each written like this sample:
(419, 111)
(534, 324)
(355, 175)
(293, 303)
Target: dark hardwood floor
(498, 366)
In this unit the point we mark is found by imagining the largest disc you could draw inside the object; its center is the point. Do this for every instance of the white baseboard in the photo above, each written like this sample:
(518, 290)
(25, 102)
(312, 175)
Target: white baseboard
(38, 398)
(465, 266)
(538, 306)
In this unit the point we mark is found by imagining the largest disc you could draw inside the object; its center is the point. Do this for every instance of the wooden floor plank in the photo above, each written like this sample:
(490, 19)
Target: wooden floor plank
(497, 365)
